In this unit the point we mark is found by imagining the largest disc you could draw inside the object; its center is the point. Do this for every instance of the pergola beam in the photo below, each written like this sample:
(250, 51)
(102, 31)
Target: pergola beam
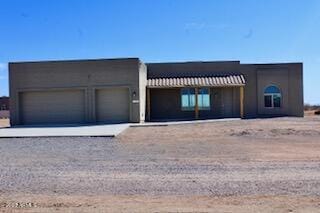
(241, 102)
(197, 105)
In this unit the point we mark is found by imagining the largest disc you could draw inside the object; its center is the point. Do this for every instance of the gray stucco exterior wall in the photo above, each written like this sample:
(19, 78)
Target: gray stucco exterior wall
(86, 75)
(287, 76)
(166, 104)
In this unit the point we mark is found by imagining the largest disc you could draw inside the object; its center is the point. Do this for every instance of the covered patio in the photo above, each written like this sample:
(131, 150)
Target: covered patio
(201, 97)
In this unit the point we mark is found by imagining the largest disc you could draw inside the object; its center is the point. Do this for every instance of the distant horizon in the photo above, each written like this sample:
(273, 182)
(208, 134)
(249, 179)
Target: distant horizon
(276, 31)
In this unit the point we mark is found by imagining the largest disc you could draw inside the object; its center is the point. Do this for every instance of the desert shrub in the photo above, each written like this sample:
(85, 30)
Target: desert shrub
(317, 112)
(308, 107)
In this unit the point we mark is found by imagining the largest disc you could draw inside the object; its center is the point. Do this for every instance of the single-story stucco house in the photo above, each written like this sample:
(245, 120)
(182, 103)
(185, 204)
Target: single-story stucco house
(128, 90)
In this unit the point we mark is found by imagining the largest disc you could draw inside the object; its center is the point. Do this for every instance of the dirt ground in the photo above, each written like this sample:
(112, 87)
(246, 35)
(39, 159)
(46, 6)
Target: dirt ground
(310, 112)
(4, 123)
(258, 165)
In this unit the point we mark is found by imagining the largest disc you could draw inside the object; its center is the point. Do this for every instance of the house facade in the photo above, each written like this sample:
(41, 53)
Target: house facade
(128, 90)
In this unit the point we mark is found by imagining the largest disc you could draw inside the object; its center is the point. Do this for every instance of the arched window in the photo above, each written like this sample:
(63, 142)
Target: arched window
(272, 97)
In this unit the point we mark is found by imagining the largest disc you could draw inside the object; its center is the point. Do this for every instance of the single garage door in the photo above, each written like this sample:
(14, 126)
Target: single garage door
(52, 107)
(112, 105)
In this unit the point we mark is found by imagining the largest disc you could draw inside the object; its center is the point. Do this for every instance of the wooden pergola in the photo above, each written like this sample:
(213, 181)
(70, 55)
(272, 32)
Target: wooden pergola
(196, 83)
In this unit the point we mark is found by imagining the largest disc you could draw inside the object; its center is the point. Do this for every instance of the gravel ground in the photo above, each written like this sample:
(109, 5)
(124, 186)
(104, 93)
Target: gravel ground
(271, 157)
(104, 166)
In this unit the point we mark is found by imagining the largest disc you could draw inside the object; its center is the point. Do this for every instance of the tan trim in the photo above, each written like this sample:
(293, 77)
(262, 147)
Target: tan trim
(241, 102)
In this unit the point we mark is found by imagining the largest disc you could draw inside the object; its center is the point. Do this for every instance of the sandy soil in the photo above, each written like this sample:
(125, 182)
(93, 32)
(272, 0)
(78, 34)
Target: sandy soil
(310, 113)
(4, 123)
(136, 203)
(260, 165)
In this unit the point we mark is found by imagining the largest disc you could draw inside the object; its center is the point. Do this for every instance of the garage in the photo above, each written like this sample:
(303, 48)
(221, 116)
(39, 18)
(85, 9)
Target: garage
(51, 107)
(112, 105)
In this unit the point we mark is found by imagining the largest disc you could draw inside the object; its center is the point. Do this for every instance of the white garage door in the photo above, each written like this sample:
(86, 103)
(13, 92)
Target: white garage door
(112, 105)
(52, 107)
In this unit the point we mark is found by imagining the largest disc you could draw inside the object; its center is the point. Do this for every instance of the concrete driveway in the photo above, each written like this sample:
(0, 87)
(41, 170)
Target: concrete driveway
(104, 130)
(107, 130)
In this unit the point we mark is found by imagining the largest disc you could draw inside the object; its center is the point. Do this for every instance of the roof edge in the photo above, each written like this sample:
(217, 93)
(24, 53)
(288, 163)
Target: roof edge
(275, 63)
(193, 62)
(74, 60)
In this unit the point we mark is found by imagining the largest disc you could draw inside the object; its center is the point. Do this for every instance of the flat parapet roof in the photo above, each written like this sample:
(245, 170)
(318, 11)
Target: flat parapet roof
(75, 60)
(194, 62)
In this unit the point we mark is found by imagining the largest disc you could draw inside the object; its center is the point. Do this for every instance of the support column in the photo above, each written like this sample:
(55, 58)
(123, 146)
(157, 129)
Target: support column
(197, 105)
(148, 105)
(241, 102)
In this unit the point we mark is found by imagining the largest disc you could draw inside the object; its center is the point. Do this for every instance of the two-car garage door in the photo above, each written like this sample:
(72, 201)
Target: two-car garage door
(63, 106)
(69, 106)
